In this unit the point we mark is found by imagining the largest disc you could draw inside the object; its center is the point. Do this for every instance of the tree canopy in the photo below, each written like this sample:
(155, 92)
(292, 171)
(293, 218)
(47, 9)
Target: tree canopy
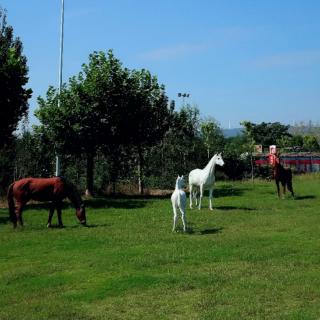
(104, 107)
(13, 78)
(266, 133)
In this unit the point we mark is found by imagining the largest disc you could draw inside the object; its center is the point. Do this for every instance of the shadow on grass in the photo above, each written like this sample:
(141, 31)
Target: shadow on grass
(195, 231)
(211, 231)
(96, 203)
(57, 227)
(305, 197)
(116, 203)
(229, 208)
(226, 191)
(89, 226)
(4, 220)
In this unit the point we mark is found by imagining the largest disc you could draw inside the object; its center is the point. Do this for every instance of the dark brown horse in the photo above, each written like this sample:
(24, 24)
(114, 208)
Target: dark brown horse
(284, 176)
(43, 189)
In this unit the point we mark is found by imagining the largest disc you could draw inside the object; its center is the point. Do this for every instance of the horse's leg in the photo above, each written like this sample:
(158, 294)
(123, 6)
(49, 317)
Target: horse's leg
(191, 195)
(289, 184)
(59, 212)
(175, 217)
(278, 188)
(201, 195)
(210, 198)
(19, 209)
(51, 212)
(195, 197)
(283, 188)
(184, 221)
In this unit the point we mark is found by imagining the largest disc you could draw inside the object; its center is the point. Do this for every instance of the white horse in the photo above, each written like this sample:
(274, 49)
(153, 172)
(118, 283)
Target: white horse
(204, 179)
(179, 201)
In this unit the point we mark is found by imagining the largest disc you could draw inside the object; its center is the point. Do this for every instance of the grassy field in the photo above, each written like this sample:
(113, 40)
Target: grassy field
(253, 257)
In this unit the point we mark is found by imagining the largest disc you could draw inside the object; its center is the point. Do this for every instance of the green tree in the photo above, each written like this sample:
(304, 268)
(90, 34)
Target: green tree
(147, 117)
(310, 143)
(108, 108)
(13, 78)
(91, 105)
(266, 133)
(237, 163)
(180, 150)
(294, 142)
(211, 135)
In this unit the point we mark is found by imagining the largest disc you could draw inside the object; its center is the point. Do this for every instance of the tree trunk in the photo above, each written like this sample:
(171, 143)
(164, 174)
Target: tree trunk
(90, 167)
(140, 171)
(251, 160)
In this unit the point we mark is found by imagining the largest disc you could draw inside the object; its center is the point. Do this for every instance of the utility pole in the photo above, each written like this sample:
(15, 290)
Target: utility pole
(60, 75)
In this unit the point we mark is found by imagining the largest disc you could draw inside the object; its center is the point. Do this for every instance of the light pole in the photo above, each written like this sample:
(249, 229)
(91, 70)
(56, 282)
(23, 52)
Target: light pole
(183, 95)
(60, 74)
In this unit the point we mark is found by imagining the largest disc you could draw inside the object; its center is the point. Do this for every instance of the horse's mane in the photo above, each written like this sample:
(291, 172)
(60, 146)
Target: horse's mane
(209, 164)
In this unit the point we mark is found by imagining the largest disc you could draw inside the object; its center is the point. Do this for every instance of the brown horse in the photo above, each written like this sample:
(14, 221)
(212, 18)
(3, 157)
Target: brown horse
(284, 176)
(43, 189)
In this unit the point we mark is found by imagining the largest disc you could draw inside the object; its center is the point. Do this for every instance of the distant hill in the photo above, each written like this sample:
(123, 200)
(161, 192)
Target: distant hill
(228, 133)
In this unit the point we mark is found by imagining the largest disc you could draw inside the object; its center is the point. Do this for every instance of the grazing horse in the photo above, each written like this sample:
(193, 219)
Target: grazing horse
(284, 176)
(179, 200)
(204, 179)
(43, 189)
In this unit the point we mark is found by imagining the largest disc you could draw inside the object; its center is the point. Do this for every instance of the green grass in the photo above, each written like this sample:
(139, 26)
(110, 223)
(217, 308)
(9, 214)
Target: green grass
(253, 257)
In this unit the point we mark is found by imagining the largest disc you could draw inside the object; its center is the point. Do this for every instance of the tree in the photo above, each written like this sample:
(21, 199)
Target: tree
(310, 143)
(266, 133)
(147, 116)
(295, 142)
(180, 150)
(212, 135)
(91, 105)
(13, 78)
(106, 107)
(235, 152)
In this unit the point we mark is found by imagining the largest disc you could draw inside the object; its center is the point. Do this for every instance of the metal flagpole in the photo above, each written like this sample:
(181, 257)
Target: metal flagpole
(60, 74)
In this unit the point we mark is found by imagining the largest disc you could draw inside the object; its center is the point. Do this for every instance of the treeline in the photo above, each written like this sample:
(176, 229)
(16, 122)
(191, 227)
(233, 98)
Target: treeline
(188, 142)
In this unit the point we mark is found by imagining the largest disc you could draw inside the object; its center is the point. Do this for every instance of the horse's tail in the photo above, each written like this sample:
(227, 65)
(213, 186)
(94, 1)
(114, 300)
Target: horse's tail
(11, 204)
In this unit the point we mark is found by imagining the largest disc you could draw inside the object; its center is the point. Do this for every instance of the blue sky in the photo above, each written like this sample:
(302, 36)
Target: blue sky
(256, 60)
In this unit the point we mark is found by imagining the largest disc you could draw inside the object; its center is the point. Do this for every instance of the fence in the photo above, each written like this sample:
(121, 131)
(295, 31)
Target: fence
(299, 162)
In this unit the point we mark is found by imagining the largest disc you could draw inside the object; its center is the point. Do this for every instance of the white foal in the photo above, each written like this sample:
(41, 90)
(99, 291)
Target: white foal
(204, 179)
(179, 201)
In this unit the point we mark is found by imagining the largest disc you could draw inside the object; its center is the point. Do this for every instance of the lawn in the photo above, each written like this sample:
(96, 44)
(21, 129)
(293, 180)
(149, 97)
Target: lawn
(253, 257)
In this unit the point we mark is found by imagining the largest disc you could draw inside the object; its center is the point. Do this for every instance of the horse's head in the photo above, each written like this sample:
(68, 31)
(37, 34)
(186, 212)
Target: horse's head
(81, 214)
(219, 160)
(180, 182)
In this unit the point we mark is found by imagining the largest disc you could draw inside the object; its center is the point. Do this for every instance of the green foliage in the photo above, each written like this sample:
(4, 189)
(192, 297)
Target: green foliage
(180, 151)
(212, 136)
(310, 143)
(266, 133)
(236, 157)
(13, 78)
(108, 108)
(7, 156)
(33, 155)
